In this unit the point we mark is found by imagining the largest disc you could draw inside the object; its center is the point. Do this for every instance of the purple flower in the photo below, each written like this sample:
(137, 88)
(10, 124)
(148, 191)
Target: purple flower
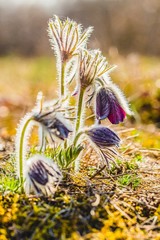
(103, 137)
(105, 140)
(108, 105)
(54, 124)
(42, 176)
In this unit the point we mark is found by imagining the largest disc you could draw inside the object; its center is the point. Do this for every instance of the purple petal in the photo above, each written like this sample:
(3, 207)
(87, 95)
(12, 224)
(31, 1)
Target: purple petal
(41, 175)
(54, 125)
(62, 130)
(107, 105)
(102, 104)
(103, 137)
(117, 114)
(38, 173)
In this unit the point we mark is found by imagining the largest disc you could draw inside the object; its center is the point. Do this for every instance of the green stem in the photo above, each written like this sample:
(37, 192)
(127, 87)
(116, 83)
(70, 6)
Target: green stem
(77, 161)
(77, 134)
(42, 139)
(77, 137)
(21, 149)
(79, 110)
(62, 79)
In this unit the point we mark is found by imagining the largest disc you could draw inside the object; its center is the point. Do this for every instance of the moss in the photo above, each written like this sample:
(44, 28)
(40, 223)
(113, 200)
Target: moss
(68, 217)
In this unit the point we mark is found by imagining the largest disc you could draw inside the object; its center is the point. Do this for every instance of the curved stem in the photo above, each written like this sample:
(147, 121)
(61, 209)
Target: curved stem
(62, 91)
(79, 110)
(22, 149)
(42, 140)
(77, 137)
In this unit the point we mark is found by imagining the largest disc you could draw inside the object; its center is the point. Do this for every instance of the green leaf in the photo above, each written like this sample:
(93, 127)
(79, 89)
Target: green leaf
(65, 157)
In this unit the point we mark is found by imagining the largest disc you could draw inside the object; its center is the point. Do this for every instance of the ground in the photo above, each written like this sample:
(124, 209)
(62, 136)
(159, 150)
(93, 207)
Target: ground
(116, 204)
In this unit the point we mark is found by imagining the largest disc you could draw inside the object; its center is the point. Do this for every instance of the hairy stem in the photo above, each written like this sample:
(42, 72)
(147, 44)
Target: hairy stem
(42, 140)
(77, 137)
(22, 148)
(79, 110)
(79, 120)
(62, 81)
(77, 161)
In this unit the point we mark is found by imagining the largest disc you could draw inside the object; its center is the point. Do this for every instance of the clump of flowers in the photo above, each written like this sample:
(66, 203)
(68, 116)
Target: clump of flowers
(62, 126)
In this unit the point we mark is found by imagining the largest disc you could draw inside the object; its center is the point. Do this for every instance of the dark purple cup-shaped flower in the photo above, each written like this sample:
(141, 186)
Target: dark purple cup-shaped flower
(103, 137)
(108, 106)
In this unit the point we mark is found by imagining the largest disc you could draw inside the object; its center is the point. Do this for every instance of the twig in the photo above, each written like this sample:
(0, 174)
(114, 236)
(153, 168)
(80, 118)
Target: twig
(148, 172)
(126, 130)
(99, 171)
(118, 175)
(136, 135)
(121, 211)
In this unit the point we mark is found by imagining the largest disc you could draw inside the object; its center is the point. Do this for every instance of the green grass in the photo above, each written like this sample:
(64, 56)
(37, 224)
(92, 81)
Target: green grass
(130, 180)
(9, 184)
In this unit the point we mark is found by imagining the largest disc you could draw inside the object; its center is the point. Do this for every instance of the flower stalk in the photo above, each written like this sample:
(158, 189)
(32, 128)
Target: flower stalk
(62, 80)
(77, 137)
(42, 140)
(80, 111)
(22, 143)
(77, 161)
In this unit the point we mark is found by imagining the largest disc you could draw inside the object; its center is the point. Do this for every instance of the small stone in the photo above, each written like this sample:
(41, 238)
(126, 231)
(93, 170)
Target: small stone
(2, 147)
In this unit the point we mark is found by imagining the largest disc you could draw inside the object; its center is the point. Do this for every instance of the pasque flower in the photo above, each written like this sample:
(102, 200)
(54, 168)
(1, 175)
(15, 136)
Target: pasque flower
(105, 140)
(92, 66)
(67, 37)
(54, 124)
(42, 176)
(111, 104)
(50, 123)
(103, 137)
(108, 106)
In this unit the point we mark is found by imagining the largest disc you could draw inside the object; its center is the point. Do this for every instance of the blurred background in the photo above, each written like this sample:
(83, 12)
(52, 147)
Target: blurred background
(127, 31)
(130, 26)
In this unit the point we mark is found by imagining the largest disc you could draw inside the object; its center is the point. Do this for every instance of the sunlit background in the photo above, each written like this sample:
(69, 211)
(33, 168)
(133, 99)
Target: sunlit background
(130, 26)
(127, 31)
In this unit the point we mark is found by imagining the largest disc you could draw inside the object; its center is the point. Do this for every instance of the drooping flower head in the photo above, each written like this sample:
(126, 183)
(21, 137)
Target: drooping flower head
(111, 104)
(67, 37)
(108, 106)
(54, 124)
(103, 137)
(92, 66)
(105, 140)
(42, 176)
